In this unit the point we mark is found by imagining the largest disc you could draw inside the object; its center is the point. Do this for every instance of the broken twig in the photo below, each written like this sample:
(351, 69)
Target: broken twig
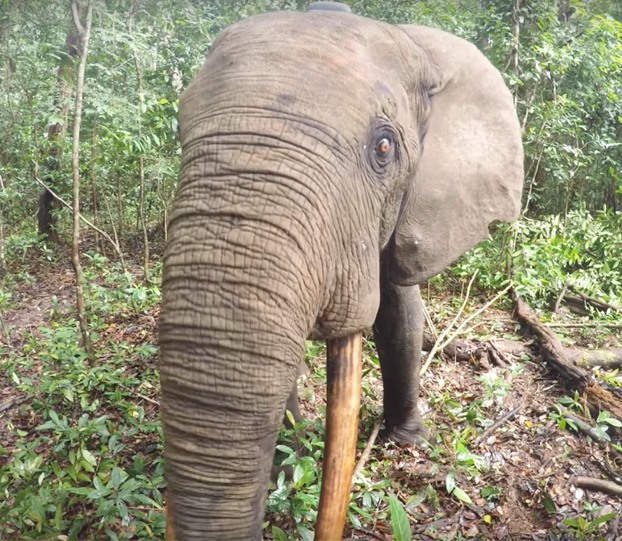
(367, 450)
(584, 427)
(437, 345)
(498, 424)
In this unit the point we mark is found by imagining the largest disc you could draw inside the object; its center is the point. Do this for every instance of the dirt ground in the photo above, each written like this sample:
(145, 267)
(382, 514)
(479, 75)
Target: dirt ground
(531, 463)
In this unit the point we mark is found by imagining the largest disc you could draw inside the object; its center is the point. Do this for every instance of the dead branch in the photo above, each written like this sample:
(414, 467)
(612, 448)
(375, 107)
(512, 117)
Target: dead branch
(600, 485)
(475, 314)
(496, 356)
(560, 298)
(509, 415)
(597, 303)
(559, 359)
(367, 451)
(10, 403)
(589, 358)
(550, 345)
(584, 427)
(453, 335)
(603, 401)
(579, 325)
(87, 222)
(437, 345)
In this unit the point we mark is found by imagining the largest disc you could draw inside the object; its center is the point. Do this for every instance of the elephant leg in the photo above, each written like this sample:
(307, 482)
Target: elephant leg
(398, 333)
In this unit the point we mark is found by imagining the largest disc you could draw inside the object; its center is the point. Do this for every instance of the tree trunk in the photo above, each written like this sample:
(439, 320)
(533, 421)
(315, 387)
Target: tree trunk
(99, 244)
(119, 203)
(85, 34)
(45, 215)
(141, 159)
(515, 34)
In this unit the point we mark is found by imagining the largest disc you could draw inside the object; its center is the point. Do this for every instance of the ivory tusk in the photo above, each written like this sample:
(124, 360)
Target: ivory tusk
(170, 532)
(343, 397)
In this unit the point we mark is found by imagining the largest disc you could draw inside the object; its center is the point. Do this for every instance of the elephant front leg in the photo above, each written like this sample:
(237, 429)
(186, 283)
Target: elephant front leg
(398, 333)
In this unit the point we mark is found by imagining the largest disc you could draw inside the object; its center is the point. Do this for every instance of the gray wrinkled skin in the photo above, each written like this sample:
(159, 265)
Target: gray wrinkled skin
(289, 221)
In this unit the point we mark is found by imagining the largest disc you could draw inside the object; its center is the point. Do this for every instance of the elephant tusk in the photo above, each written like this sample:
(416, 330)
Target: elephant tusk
(343, 373)
(170, 532)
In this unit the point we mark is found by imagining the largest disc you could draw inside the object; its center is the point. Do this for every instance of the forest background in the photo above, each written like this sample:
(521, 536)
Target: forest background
(89, 157)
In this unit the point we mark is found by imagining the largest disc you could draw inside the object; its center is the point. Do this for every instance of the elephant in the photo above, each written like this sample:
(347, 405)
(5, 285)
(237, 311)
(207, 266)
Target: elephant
(330, 164)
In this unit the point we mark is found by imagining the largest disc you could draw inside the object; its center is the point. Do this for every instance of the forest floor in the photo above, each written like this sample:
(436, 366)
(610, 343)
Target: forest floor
(67, 474)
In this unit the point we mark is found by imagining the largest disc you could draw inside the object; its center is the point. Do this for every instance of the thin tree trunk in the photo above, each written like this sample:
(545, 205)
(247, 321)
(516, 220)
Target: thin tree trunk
(516, 42)
(45, 216)
(85, 34)
(2, 253)
(99, 245)
(119, 202)
(141, 159)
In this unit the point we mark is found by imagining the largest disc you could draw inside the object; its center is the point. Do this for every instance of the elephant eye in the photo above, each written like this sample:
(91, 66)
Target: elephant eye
(383, 147)
(383, 151)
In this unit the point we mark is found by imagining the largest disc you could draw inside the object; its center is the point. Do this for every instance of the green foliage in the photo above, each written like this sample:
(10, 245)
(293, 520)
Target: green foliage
(101, 470)
(399, 521)
(587, 529)
(584, 250)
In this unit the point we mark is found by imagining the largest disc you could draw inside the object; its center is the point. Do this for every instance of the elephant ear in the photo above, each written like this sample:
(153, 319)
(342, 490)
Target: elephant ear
(471, 167)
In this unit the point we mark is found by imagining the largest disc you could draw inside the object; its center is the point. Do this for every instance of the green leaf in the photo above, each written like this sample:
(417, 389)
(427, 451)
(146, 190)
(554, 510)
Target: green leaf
(489, 492)
(461, 495)
(115, 478)
(604, 518)
(399, 521)
(305, 534)
(548, 503)
(278, 534)
(450, 482)
(88, 456)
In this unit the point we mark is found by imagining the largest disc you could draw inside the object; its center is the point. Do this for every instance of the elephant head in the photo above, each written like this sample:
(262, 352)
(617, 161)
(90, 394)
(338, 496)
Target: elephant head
(314, 146)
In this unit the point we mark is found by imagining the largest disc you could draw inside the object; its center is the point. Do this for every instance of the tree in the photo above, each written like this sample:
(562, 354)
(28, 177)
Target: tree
(84, 31)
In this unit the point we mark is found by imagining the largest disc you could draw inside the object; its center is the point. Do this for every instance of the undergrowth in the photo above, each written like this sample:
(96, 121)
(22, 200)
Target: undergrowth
(582, 250)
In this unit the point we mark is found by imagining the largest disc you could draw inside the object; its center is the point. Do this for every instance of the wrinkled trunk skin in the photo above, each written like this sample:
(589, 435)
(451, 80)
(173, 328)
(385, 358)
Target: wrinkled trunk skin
(239, 301)
(230, 360)
(231, 346)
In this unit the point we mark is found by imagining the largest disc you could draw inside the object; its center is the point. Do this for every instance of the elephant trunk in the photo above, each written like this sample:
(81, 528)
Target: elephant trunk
(230, 348)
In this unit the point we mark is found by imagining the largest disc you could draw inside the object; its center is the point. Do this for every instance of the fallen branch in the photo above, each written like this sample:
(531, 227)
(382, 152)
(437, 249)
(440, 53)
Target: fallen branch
(367, 451)
(10, 403)
(550, 345)
(560, 359)
(579, 325)
(585, 427)
(603, 401)
(597, 303)
(599, 485)
(437, 345)
(497, 357)
(589, 358)
(139, 395)
(460, 327)
(509, 415)
(560, 298)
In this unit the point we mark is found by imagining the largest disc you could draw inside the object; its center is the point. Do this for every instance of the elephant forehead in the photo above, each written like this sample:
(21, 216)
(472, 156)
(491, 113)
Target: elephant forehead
(336, 61)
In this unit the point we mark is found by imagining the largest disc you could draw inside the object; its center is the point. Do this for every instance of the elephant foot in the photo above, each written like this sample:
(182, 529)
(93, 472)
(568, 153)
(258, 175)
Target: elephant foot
(409, 433)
